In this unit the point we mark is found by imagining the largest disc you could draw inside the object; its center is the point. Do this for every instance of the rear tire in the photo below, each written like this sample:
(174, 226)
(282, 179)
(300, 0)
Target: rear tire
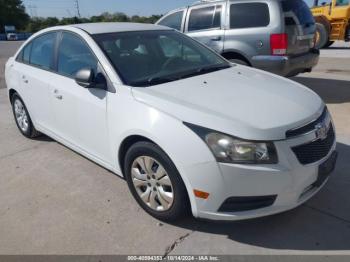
(321, 36)
(155, 183)
(22, 117)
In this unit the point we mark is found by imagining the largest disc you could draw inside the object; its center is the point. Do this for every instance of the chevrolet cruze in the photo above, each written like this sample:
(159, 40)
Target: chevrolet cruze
(188, 130)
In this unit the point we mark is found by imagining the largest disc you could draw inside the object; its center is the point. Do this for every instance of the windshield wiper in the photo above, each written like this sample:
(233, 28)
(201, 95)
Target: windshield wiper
(156, 80)
(205, 70)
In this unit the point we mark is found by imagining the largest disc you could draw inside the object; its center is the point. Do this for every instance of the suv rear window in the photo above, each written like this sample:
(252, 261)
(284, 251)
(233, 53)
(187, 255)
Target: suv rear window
(300, 9)
(205, 18)
(249, 15)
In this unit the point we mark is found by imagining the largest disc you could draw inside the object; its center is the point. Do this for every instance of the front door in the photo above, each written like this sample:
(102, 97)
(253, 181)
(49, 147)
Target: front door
(79, 113)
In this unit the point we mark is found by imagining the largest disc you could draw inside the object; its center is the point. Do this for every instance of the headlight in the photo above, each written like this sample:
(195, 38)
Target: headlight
(229, 149)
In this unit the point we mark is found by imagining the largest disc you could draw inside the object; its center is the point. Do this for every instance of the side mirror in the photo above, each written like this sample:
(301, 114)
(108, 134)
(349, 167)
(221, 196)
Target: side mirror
(100, 82)
(87, 79)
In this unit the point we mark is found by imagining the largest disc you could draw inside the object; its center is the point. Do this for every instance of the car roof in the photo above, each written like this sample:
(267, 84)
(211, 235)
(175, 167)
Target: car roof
(103, 28)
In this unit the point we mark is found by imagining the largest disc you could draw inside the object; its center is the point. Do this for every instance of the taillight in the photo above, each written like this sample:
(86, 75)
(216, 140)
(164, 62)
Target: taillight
(279, 44)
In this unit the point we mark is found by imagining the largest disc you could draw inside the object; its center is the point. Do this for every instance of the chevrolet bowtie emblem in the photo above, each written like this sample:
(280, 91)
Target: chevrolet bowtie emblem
(321, 131)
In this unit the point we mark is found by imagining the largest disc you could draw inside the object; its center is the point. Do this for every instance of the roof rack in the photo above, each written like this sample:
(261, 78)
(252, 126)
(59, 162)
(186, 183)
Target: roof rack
(206, 1)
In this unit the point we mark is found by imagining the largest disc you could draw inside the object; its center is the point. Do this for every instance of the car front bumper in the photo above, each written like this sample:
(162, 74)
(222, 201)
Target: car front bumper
(289, 183)
(287, 65)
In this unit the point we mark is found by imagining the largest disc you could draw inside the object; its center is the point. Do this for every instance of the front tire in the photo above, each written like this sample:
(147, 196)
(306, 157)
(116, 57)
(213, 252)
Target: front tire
(22, 118)
(155, 182)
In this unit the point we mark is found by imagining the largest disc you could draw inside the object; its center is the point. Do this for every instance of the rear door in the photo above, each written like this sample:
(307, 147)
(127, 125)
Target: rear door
(205, 24)
(35, 67)
(249, 27)
(299, 26)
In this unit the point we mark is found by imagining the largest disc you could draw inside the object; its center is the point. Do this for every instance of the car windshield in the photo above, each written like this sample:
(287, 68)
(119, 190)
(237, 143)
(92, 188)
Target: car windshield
(154, 57)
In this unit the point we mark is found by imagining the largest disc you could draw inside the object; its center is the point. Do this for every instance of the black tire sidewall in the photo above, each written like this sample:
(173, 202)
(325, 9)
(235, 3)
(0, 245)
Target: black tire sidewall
(321, 29)
(180, 203)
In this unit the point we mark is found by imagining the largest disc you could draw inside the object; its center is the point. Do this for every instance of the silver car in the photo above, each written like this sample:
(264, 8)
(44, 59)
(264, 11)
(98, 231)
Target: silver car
(273, 35)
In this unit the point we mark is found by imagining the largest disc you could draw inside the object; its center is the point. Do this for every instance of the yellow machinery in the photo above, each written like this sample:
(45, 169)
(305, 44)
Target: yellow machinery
(332, 21)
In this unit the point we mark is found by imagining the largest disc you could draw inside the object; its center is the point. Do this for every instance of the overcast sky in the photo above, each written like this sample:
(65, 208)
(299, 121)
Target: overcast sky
(66, 8)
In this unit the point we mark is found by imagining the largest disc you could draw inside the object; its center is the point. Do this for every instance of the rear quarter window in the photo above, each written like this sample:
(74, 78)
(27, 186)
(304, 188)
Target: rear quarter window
(26, 53)
(173, 20)
(248, 15)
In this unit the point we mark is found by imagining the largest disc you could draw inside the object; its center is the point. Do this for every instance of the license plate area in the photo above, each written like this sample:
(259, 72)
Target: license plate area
(325, 169)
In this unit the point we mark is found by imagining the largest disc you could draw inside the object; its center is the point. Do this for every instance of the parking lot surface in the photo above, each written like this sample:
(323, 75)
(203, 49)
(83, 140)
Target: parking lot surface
(54, 201)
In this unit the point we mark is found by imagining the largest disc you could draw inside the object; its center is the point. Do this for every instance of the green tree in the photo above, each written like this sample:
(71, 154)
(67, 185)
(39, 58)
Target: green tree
(37, 23)
(12, 12)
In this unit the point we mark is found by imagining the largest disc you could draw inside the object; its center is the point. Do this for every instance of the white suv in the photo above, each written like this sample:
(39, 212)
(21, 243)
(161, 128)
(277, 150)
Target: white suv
(186, 128)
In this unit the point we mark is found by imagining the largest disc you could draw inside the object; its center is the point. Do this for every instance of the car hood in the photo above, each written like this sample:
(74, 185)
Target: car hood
(239, 101)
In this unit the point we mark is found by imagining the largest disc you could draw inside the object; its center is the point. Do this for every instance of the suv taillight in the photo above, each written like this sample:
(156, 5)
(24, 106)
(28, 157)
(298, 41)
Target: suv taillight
(279, 44)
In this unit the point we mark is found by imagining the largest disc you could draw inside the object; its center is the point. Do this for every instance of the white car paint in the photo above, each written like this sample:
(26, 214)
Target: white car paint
(239, 101)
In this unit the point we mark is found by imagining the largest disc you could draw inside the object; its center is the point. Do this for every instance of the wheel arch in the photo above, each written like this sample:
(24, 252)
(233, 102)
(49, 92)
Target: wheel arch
(126, 144)
(232, 54)
(11, 92)
(130, 140)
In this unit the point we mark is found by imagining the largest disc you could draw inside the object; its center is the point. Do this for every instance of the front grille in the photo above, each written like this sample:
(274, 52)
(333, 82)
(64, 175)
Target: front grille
(239, 204)
(316, 150)
(307, 128)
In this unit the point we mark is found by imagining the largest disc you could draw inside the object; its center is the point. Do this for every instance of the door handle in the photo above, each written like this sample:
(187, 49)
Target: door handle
(25, 80)
(57, 95)
(217, 38)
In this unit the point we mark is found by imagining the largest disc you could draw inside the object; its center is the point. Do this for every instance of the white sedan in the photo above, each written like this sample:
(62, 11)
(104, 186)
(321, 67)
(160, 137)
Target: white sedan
(188, 130)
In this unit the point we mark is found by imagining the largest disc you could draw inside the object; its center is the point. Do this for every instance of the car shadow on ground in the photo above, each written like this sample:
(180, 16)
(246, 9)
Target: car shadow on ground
(319, 224)
(331, 91)
(336, 48)
(44, 138)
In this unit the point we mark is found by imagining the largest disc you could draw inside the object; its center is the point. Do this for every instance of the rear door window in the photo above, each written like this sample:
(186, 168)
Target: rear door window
(205, 18)
(297, 9)
(248, 15)
(43, 50)
(173, 20)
